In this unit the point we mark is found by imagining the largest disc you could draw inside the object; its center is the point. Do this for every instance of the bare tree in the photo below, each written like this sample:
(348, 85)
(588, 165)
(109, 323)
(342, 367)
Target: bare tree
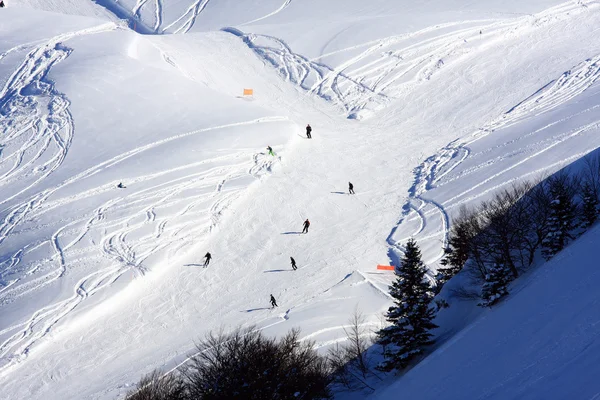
(350, 361)
(156, 386)
(246, 364)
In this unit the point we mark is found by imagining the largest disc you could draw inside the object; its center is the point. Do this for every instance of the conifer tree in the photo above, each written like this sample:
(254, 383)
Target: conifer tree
(561, 222)
(410, 316)
(451, 265)
(590, 206)
(495, 284)
(456, 253)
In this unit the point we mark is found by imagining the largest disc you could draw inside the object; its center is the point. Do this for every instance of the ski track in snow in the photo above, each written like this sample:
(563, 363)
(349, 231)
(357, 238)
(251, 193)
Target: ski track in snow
(141, 12)
(143, 209)
(285, 4)
(436, 171)
(36, 125)
(182, 24)
(391, 66)
(37, 130)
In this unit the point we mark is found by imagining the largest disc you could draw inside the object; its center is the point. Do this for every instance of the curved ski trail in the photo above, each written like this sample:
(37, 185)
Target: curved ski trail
(436, 170)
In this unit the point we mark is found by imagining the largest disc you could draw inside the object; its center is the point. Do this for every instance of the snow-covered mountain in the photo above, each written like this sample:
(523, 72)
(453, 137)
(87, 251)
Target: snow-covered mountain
(423, 106)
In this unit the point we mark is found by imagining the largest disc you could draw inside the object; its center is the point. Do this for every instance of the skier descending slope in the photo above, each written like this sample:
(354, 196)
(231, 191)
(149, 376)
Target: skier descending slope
(350, 188)
(308, 131)
(273, 302)
(270, 150)
(1, 4)
(293, 263)
(306, 225)
(207, 259)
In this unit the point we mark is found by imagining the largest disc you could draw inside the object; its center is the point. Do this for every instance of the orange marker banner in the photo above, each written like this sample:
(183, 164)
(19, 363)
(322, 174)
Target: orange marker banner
(248, 92)
(386, 267)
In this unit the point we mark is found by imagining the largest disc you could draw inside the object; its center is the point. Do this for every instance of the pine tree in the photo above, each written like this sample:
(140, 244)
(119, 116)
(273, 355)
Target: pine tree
(495, 284)
(561, 223)
(590, 206)
(450, 268)
(455, 256)
(410, 316)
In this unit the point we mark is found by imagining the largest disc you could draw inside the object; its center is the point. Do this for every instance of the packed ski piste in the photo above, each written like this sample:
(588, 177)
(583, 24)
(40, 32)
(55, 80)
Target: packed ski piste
(419, 180)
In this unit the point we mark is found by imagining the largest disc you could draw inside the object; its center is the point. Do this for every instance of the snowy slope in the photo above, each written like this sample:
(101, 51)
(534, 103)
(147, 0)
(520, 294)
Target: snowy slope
(541, 343)
(70, 7)
(100, 285)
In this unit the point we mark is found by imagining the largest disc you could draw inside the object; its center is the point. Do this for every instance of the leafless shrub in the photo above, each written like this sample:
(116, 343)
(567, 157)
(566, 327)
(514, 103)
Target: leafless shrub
(245, 364)
(156, 386)
(350, 362)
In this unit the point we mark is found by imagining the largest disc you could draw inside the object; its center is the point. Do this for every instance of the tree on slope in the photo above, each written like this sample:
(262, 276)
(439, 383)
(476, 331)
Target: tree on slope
(457, 250)
(562, 216)
(410, 316)
(495, 284)
(589, 212)
(245, 364)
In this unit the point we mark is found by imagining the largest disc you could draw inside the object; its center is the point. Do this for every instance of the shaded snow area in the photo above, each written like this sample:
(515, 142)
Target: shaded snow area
(423, 107)
(540, 343)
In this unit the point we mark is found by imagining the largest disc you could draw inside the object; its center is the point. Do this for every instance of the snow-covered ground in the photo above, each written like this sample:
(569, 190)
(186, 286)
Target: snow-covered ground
(541, 343)
(424, 107)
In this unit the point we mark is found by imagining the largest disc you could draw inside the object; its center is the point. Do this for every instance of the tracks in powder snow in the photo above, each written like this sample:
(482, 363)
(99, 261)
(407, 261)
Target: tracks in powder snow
(149, 16)
(161, 218)
(37, 131)
(387, 68)
(449, 166)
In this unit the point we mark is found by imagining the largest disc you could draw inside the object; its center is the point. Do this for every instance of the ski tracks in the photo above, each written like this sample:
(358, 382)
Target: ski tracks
(177, 211)
(437, 170)
(285, 4)
(191, 14)
(388, 68)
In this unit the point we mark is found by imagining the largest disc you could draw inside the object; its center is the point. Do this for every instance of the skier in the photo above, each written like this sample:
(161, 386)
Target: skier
(350, 188)
(305, 226)
(1, 3)
(308, 131)
(121, 186)
(273, 302)
(293, 263)
(270, 150)
(207, 259)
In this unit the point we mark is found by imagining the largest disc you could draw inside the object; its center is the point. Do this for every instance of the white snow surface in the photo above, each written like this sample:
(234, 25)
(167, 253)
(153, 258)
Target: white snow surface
(423, 106)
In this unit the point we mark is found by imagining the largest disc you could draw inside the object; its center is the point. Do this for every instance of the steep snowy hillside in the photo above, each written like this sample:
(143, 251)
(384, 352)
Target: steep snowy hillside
(541, 343)
(99, 285)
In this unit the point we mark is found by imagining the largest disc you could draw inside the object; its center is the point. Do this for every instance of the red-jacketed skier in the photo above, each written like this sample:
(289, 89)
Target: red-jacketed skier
(305, 226)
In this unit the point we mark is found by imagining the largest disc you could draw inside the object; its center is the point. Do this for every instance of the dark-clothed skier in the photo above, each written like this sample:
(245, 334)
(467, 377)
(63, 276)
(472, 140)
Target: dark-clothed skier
(270, 150)
(306, 225)
(293, 263)
(273, 302)
(1, 3)
(207, 259)
(121, 186)
(308, 131)
(350, 188)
